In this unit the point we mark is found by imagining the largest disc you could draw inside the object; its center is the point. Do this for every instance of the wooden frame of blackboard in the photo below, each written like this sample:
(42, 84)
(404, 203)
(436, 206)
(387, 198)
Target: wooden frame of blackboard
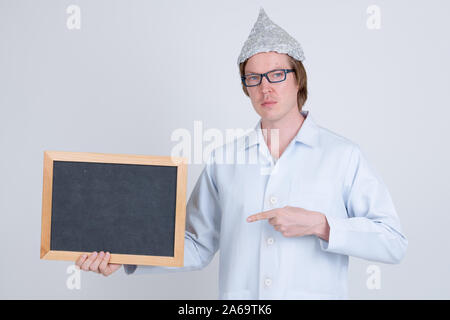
(180, 214)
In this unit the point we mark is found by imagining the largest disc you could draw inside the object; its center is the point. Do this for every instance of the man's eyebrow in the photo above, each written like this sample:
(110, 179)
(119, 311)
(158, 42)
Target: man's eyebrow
(275, 68)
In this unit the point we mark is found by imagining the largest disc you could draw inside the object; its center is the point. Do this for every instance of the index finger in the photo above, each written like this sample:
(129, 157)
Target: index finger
(262, 215)
(81, 260)
(89, 260)
(103, 267)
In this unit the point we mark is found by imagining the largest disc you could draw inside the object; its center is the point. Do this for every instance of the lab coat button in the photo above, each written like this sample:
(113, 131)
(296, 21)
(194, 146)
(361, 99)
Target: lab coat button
(268, 282)
(270, 241)
(273, 200)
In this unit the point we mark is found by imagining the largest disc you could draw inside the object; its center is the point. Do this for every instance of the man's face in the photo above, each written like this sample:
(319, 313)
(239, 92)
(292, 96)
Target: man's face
(283, 93)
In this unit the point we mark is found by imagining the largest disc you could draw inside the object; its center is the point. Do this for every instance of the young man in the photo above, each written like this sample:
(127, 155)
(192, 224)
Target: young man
(286, 225)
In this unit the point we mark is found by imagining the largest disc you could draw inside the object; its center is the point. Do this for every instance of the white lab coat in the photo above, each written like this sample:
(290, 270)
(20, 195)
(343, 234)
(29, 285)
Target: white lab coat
(319, 171)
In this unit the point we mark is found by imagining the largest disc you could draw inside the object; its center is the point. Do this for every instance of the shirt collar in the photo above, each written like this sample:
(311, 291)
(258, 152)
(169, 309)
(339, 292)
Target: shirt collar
(308, 133)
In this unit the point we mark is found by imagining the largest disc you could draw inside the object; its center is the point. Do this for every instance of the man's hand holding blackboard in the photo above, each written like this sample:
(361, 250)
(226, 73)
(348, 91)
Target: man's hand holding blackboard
(97, 262)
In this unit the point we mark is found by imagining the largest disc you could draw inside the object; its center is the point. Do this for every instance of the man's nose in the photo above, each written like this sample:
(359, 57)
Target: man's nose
(265, 85)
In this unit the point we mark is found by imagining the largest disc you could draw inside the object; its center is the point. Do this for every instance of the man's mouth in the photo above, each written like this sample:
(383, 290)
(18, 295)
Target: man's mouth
(268, 103)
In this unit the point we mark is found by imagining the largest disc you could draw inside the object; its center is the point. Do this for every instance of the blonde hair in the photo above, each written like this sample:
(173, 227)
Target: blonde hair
(300, 75)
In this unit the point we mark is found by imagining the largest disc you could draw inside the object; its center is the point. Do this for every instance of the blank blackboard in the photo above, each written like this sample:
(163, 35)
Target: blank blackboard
(132, 206)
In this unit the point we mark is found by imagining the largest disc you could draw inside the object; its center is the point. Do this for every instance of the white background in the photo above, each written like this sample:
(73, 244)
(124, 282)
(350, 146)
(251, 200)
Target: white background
(138, 70)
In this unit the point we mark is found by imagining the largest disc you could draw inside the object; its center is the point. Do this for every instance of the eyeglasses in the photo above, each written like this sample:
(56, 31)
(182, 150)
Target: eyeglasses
(274, 76)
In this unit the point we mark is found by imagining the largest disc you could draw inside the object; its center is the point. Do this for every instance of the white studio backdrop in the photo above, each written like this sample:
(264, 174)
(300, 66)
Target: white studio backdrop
(124, 75)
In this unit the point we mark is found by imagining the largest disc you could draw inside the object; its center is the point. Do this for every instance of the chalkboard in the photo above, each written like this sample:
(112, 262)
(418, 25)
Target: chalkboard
(131, 206)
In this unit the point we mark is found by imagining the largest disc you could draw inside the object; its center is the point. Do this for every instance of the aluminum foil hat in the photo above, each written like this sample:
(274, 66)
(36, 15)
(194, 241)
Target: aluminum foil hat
(267, 36)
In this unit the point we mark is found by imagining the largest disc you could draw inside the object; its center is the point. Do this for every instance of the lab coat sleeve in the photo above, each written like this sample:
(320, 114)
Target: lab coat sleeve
(372, 230)
(201, 240)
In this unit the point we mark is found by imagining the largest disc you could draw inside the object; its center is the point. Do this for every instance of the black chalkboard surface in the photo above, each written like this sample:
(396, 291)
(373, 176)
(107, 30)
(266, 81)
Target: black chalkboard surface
(132, 206)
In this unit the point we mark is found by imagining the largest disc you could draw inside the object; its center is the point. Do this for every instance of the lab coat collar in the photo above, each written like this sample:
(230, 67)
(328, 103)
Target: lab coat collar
(308, 133)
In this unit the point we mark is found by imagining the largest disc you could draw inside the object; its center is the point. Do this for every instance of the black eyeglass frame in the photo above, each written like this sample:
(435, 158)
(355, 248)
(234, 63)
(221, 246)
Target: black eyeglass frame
(286, 71)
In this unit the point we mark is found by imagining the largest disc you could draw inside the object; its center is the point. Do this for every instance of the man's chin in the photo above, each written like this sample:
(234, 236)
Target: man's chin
(273, 115)
(270, 116)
